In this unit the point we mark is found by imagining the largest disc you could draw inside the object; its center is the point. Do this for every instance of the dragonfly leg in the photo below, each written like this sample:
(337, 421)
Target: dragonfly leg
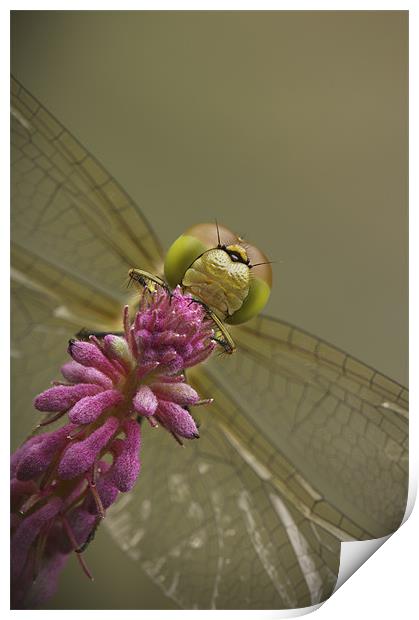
(224, 338)
(143, 279)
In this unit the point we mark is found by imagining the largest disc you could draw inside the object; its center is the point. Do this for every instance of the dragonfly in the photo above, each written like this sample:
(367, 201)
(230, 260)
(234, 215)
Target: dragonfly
(303, 447)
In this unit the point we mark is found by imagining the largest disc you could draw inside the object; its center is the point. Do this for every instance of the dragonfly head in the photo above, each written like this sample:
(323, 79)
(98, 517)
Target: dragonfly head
(233, 277)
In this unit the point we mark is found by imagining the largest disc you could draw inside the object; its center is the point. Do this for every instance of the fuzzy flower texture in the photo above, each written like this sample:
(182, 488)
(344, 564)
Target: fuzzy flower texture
(63, 481)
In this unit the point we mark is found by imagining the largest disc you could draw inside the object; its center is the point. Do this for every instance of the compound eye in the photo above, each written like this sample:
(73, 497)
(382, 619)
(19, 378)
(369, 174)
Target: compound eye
(235, 257)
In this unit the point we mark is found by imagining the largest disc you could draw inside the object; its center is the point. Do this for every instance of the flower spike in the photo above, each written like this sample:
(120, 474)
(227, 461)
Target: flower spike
(61, 484)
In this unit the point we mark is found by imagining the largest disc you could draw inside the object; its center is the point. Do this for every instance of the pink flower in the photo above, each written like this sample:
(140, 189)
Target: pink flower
(61, 485)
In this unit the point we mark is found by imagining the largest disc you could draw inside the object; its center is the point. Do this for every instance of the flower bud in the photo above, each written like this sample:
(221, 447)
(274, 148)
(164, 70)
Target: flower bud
(81, 455)
(117, 347)
(39, 456)
(28, 530)
(88, 409)
(88, 354)
(177, 419)
(77, 373)
(62, 397)
(145, 401)
(126, 467)
(180, 393)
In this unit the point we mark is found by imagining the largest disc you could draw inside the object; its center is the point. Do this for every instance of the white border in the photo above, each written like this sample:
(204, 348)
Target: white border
(386, 586)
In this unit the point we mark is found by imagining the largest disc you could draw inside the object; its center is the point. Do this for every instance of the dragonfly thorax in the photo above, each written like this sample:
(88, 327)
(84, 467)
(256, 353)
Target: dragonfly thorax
(219, 280)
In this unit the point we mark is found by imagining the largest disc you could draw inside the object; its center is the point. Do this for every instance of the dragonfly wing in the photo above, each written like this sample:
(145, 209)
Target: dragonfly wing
(37, 349)
(340, 424)
(213, 531)
(67, 207)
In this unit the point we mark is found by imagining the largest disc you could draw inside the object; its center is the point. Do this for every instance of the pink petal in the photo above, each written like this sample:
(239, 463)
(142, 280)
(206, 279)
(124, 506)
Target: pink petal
(21, 452)
(143, 338)
(88, 354)
(62, 397)
(117, 347)
(28, 530)
(145, 402)
(180, 393)
(77, 373)
(126, 466)
(90, 408)
(40, 455)
(81, 455)
(32, 594)
(177, 419)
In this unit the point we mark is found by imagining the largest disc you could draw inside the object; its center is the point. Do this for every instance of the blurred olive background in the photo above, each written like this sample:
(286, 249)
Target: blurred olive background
(289, 127)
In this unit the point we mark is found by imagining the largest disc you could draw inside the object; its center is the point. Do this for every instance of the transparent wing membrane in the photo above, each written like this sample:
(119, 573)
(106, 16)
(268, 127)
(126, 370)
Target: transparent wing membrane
(341, 425)
(66, 207)
(38, 350)
(213, 532)
(302, 448)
